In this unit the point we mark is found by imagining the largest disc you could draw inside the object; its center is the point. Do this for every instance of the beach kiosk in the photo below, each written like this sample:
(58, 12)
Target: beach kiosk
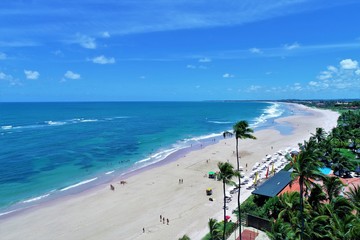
(209, 191)
(211, 174)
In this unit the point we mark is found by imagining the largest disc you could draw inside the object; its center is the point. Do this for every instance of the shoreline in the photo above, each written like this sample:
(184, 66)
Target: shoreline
(93, 182)
(156, 189)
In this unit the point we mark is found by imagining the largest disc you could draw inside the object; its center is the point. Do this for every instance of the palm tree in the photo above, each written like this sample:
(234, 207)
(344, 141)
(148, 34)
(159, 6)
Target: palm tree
(185, 237)
(316, 197)
(319, 135)
(225, 175)
(241, 130)
(354, 196)
(215, 233)
(332, 186)
(305, 167)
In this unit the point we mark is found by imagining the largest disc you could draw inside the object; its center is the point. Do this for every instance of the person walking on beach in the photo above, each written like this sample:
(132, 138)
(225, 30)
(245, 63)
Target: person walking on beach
(167, 220)
(163, 220)
(143, 230)
(160, 218)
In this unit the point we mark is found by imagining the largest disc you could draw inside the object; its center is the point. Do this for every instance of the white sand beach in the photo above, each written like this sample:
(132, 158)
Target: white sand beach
(124, 212)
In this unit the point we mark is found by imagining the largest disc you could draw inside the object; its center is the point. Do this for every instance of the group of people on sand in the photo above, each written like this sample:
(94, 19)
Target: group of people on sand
(181, 180)
(162, 219)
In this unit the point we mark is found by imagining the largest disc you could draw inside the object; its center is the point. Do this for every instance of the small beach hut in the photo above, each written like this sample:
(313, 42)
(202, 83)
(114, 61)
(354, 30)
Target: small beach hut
(211, 174)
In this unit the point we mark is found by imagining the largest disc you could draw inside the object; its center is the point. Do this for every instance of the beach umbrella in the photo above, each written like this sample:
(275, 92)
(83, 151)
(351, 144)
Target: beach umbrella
(267, 172)
(294, 152)
(227, 217)
(273, 169)
(256, 177)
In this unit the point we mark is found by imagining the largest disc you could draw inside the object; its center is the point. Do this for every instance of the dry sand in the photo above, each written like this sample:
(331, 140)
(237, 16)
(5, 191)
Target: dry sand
(123, 213)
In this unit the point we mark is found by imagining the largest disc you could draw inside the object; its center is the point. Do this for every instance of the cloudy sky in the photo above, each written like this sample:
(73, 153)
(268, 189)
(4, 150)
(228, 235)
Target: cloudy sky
(141, 50)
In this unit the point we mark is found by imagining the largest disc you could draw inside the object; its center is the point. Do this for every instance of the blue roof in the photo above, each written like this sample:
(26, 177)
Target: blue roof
(274, 185)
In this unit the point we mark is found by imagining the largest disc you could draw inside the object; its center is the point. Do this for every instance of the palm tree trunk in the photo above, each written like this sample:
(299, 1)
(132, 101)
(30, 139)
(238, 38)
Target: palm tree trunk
(301, 183)
(239, 181)
(224, 209)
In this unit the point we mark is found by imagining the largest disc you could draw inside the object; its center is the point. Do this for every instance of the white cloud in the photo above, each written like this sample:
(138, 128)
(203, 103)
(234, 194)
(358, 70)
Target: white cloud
(325, 75)
(86, 41)
(103, 60)
(71, 75)
(291, 46)
(349, 64)
(105, 34)
(332, 68)
(255, 50)
(296, 87)
(3, 76)
(254, 88)
(190, 66)
(2, 56)
(228, 75)
(33, 75)
(9, 78)
(58, 53)
(204, 60)
(346, 76)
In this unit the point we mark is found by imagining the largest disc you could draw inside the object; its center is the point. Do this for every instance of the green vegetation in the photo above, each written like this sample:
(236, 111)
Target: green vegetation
(216, 229)
(185, 237)
(317, 211)
(336, 105)
(323, 211)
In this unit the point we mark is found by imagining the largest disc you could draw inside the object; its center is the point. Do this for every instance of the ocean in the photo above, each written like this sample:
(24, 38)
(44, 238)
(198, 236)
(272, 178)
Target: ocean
(48, 150)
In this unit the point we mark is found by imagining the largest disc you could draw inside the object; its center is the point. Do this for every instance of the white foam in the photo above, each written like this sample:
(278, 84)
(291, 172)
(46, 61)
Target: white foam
(36, 198)
(78, 184)
(89, 120)
(55, 123)
(271, 111)
(5, 213)
(219, 122)
(110, 172)
(7, 127)
(211, 135)
(159, 155)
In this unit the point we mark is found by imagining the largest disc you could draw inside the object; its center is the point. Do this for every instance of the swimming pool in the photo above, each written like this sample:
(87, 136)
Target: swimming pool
(325, 170)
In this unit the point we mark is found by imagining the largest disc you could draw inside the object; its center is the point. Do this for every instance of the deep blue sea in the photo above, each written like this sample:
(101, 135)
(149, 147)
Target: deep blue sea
(51, 148)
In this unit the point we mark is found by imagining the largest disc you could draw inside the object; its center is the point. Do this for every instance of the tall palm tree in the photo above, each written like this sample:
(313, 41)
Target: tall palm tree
(226, 173)
(332, 186)
(241, 130)
(354, 196)
(306, 167)
(319, 135)
(214, 231)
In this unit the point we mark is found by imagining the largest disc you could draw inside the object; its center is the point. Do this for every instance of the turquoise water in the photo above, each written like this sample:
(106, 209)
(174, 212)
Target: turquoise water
(325, 170)
(52, 148)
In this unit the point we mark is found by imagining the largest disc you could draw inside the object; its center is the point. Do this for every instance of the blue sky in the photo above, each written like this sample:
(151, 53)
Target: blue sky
(126, 50)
